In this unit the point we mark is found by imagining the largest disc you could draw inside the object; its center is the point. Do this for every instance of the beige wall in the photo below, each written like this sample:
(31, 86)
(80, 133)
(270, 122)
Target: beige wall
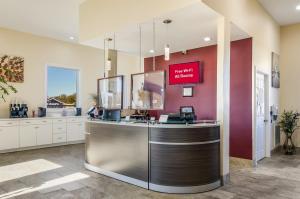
(290, 71)
(98, 17)
(250, 16)
(38, 52)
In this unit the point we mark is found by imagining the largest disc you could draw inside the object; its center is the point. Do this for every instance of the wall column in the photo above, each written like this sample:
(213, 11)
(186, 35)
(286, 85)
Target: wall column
(223, 92)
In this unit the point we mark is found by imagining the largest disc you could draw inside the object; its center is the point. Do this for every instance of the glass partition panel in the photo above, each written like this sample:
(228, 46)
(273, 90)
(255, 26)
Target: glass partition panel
(148, 90)
(110, 92)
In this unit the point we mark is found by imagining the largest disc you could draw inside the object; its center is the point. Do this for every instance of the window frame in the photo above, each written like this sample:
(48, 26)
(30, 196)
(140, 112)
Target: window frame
(78, 89)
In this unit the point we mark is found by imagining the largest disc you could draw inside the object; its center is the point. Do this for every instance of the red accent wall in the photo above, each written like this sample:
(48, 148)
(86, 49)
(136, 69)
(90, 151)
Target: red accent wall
(205, 94)
(241, 99)
(204, 100)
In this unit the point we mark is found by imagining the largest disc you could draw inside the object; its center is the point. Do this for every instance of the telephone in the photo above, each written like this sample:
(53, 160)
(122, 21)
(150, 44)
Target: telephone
(274, 113)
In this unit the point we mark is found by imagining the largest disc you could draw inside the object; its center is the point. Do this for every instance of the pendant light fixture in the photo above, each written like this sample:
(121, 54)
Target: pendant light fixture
(167, 45)
(108, 61)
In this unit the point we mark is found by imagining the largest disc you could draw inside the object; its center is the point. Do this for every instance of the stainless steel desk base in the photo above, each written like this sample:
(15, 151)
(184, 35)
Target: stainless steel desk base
(180, 190)
(117, 176)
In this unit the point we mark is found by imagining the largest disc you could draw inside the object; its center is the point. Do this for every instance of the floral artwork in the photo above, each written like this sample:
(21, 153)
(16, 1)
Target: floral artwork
(12, 68)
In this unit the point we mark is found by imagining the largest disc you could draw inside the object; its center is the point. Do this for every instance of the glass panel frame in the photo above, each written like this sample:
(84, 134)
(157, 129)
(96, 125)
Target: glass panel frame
(114, 93)
(157, 98)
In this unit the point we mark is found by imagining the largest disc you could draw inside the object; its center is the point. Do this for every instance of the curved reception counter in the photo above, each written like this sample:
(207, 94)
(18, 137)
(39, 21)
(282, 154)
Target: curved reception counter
(160, 157)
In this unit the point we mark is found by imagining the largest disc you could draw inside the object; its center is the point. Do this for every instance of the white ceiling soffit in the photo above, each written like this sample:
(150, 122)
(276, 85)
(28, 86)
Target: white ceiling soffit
(283, 11)
(187, 31)
(57, 19)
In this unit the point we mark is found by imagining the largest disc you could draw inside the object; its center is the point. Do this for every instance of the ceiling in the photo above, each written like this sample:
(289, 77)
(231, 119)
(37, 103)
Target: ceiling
(283, 11)
(187, 31)
(50, 18)
(59, 19)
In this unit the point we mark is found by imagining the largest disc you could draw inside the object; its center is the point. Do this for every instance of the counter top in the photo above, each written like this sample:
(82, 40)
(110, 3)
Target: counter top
(40, 118)
(124, 123)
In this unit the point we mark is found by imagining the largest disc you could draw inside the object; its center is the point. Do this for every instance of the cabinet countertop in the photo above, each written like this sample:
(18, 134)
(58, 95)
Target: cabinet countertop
(199, 125)
(41, 118)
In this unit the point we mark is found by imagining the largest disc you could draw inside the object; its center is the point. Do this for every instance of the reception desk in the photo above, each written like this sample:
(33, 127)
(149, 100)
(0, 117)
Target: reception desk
(159, 157)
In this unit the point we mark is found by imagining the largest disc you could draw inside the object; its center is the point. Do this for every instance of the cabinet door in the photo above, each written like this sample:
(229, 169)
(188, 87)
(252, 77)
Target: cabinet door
(75, 131)
(81, 133)
(44, 134)
(9, 137)
(27, 136)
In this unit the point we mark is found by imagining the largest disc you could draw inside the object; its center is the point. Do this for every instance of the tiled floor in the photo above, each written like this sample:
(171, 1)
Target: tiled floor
(59, 173)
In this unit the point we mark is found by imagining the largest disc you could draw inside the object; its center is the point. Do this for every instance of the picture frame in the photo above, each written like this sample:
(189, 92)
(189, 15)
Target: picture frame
(188, 91)
(275, 71)
(14, 64)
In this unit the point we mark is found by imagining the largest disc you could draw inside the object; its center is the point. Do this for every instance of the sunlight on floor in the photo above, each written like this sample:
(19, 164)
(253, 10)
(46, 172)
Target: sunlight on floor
(19, 170)
(49, 184)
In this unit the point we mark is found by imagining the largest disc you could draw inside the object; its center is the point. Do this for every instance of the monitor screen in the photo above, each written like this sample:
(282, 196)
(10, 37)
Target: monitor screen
(187, 109)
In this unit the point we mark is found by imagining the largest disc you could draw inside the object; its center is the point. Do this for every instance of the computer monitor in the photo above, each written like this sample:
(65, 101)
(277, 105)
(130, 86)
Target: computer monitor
(187, 113)
(112, 115)
(186, 109)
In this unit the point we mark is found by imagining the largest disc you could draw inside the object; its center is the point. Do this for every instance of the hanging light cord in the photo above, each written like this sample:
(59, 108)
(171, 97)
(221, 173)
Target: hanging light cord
(104, 58)
(140, 27)
(154, 47)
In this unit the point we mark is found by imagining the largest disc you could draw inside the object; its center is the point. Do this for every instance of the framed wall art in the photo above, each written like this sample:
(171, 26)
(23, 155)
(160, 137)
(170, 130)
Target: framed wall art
(12, 68)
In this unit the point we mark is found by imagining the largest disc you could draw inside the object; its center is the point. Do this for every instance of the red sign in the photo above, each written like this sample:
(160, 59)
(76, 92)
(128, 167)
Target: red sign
(185, 73)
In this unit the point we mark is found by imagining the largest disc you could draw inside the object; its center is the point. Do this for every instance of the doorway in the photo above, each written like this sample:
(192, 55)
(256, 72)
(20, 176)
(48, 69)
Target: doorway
(261, 115)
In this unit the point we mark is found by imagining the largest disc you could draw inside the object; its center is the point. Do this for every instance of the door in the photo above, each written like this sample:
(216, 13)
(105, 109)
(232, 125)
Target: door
(9, 137)
(27, 136)
(44, 134)
(260, 116)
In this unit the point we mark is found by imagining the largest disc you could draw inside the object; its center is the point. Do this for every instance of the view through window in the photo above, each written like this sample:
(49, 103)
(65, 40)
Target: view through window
(62, 87)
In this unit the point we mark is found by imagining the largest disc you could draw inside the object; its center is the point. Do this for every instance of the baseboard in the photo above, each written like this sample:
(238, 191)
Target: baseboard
(41, 146)
(239, 163)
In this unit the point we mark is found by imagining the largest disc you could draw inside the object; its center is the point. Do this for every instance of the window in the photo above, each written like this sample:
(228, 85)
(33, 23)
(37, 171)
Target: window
(62, 87)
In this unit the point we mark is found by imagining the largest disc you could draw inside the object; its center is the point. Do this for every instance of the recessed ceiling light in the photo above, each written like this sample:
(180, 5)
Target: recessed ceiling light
(298, 7)
(71, 38)
(206, 38)
(151, 51)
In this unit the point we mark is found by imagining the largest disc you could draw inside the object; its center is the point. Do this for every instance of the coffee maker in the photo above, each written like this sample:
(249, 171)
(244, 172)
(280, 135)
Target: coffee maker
(18, 111)
(42, 112)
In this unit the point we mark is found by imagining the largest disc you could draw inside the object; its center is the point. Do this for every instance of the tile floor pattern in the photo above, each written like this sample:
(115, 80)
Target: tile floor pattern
(55, 173)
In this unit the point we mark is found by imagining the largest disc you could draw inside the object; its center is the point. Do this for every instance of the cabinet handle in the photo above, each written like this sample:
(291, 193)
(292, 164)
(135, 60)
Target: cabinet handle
(44, 121)
(9, 123)
(37, 127)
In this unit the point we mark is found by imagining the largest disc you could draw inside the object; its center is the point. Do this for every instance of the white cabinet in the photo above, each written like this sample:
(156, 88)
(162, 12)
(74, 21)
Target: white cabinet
(16, 134)
(35, 132)
(9, 137)
(75, 131)
(27, 136)
(59, 128)
(59, 138)
(59, 131)
(44, 134)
